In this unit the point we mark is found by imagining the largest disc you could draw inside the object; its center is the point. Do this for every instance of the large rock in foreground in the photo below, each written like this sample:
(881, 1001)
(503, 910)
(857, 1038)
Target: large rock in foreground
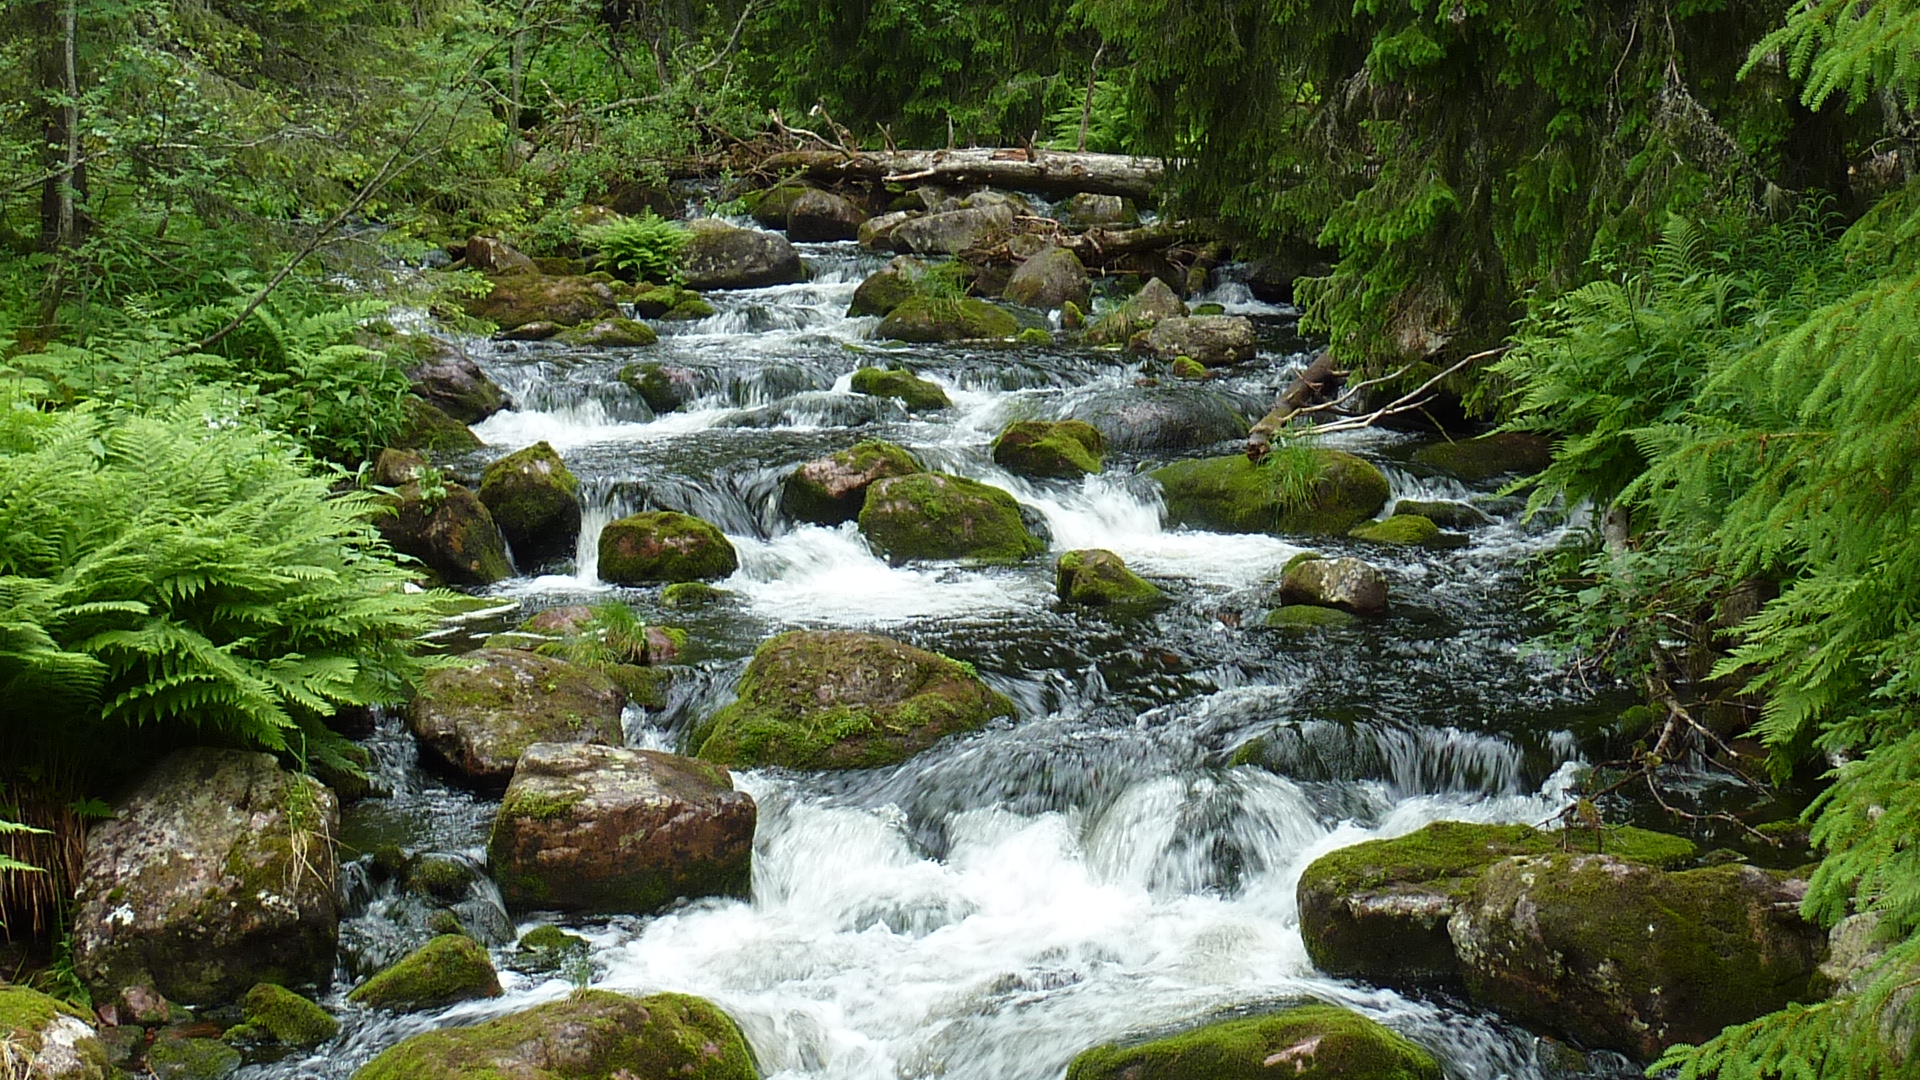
(1311, 1042)
(720, 256)
(601, 829)
(450, 968)
(1232, 494)
(664, 546)
(476, 721)
(59, 1041)
(216, 873)
(534, 499)
(835, 699)
(830, 490)
(592, 1035)
(937, 516)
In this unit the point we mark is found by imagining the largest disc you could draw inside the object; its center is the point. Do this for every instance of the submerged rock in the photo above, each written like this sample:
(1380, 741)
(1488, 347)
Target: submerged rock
(476, 721)
(58, 1040)
(1347, 584)
(448, 529)
(721, 256)
(903, 386)
(449, 969)
(835, 699)
(830, 490)
(216, 873)
(564, 300)
(1051, 279)
(1232, 494)
(664, 546)
(937, 516)
(591, 1035)
(1211, 340)
(534, 500)
(615, 831)
(822, 215)
(1499, 454)
(929, 320)
(1310, 1042)
(1098, 577)
(1066, 449)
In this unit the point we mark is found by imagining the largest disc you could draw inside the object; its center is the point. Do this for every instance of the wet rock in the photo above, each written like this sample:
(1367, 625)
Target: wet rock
(822, 215)
(476, 721)
(1051, 279)
(1232, 494)
(832, 489)
(1309, 617)
(286, 1017)
(444, 878)
(665, 388)
(533, 331)
(1347, 584)
(888, 287)
(769, 207)
(427, 428)
(928, 320)
(534, 499)
(59, 1040)
(1098, 577)
(1445, 513)
(591, 1035)
(1500, 454)
(216, 873)
(1085, 210)
(564, 300)
(1310, 1042)
(953, 232)
(1142, 311)
(546, 949)
(664, 546)
(614, 831)
(447, 528)
(1622, 956)
(176, 1056)
(1164, 418)
(903, 386)
(615, 333)
(1210, 340)
(670, 303)
(834, 699)
(691, 594)
(1066, 449)
(492, 255)
(877, 232)
(449, 969)
(720, 256)
(450, 381)
(936, 516)
(1407, 530)
(396, 467)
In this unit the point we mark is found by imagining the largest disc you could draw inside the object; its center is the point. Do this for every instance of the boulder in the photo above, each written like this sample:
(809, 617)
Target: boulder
(1404, 529)
(448, 529)
(1309, 617)
(614, 831)
(1618, 955)
(822, 215)
(720, 256)
(664, 546)
(1232, 494)
(564, 300)
(664, 387)
(903, 386)
(1066, 449)
(888, 287)
(535, 501)
(1135, 419)
(1501, 454)
(832, 489)
(285, 1017)
(877, 232)
(449, 969)
(769, 207)
(614, 333)
(590, 1035)
(176, 1055)
(395, 468)
(1186, 367)
(1098, 577)
(450, 381)
(936, 516)
(1347, 584)
(691, 594)
(58, 1040)
(217, 872)
(669, 302)
(1085, 210)
(929, 320)
(1212, 340)
(1445, 513)
(477, 720)
(492, 255)
(954, 231)
(836, 699)
(1309, 1042)
(1049, 280)
(1142, 311)
(427, 428)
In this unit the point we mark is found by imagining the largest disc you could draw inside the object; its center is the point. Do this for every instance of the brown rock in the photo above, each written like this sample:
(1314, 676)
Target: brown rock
(476, 721)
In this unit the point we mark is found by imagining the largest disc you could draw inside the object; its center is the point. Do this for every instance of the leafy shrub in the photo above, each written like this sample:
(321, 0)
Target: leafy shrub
(644, 248)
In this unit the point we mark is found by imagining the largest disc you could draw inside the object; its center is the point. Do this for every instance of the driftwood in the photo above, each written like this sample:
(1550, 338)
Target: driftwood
(1018, 169)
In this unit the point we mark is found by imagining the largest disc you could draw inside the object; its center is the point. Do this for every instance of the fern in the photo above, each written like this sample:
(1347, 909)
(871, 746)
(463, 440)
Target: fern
(1849, 48)
(644, 248)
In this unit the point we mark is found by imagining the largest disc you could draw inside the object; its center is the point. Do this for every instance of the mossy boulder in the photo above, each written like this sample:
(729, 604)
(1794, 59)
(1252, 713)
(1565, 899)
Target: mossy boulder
(615, 831)
(515, 300)
(615, 333)
(535, 501)
(1142, 311)
(1051, 279)
(664, 387)
(888, 287)
(1379, 910)
(546, 949)
(449, 969)
(1186, 367)
(836, 699)
(286, 1017)
(429, 428)
(1232, 494)
(830, 490)
(475, 721)
(722, 256)
(814, 216)
(1099, 578)
(1408, 530)
(664, 546)
(57, 1038)
(592, 1035)
(1499, 454)
(670, 303)
(937, 516)
(1210, 340)
(448, 529)
(1310, 1042)
(1063, 449)
(178, 1056)
(447, 378)
(1309, 617)
(930, 320)
(691, 594)
(1445, 513)
(769, 207)
(917, 394)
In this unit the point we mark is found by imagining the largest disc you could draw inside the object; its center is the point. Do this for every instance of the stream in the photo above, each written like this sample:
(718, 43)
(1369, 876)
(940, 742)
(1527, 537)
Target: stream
(1117, 862)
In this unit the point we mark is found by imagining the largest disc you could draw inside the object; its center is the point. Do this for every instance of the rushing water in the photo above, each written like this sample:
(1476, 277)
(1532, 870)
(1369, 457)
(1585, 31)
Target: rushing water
(1099, 868)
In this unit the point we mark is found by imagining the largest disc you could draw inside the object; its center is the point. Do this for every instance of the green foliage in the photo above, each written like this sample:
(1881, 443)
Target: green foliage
(644, 248)
(1849, 48)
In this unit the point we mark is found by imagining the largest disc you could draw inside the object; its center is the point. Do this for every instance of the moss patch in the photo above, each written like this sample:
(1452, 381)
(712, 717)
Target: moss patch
(832, 489)
(1312, 1042)
(914, 392)
(690, 594)
(1098, 577)
(288, 1018)
(610, 334)
(936, 516)
(448, 969)
(174, 1058)
(927, 320)
(664, 546)
(1309, 617)
(1066, 449)
(1407, 529)
(1232, 494)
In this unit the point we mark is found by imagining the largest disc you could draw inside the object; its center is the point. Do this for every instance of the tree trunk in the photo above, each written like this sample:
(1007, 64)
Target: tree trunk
(61, 224)
(1019, 169)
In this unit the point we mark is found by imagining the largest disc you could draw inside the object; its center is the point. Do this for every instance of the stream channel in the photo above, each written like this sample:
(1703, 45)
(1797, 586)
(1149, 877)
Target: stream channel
(1120, 860)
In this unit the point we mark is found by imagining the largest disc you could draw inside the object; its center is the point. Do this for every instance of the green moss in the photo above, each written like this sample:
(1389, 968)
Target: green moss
(448, 969)
(936, 516)
(1186, 367)
(549, 948)
(1408, 529)
(916, 393)
(543, 806)
(1309, 617)
(1034, 335)
(645, 686)
(609, 334)
(1444, 513)
(669, 302)
(441, 877)
(173, 1058)
(664, 546)
(1098, 577)
(1064, 449)
(690, 594)
(1312, 1042)
(1071, 316)
(287, 1017)
(428, 428)
(832, 490)
(1209, 309)
(1232, 494)
(24, 1012)
(1476, 460)
(928, 320)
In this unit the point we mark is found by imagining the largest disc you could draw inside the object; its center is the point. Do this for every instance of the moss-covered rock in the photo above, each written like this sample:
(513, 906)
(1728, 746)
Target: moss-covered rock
(664, 387)
(769, 207)
(534, 499)
(515, 300)
(451, 968)
(545, 949)
(888, 287)
(1142, 311)
(816, 216)
(670, 303)
(1311, 1042)
(447, 528)
(1098, 577)
(286, 1017)
(929, 320)
(843, 700)
(1186, 367)
(691, 594)
(59, 1039)
(1210, 340)
(593, 1035)
(1065, 449)
(614, 333)
(936, 516)
(1499, 454)
(904, 386)
(664, 546)
(174, 1056)
(1309, 617)
(1405, 529)
(443, 374)
(1445, 513)
(721, 256)
(832, 489)
(429, 428)
(1051, 279)
(441, 877)
(1232, 494)
(476, 721)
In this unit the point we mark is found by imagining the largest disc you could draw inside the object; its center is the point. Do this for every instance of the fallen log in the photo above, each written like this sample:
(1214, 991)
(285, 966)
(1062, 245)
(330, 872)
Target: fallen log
(1038, 171)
